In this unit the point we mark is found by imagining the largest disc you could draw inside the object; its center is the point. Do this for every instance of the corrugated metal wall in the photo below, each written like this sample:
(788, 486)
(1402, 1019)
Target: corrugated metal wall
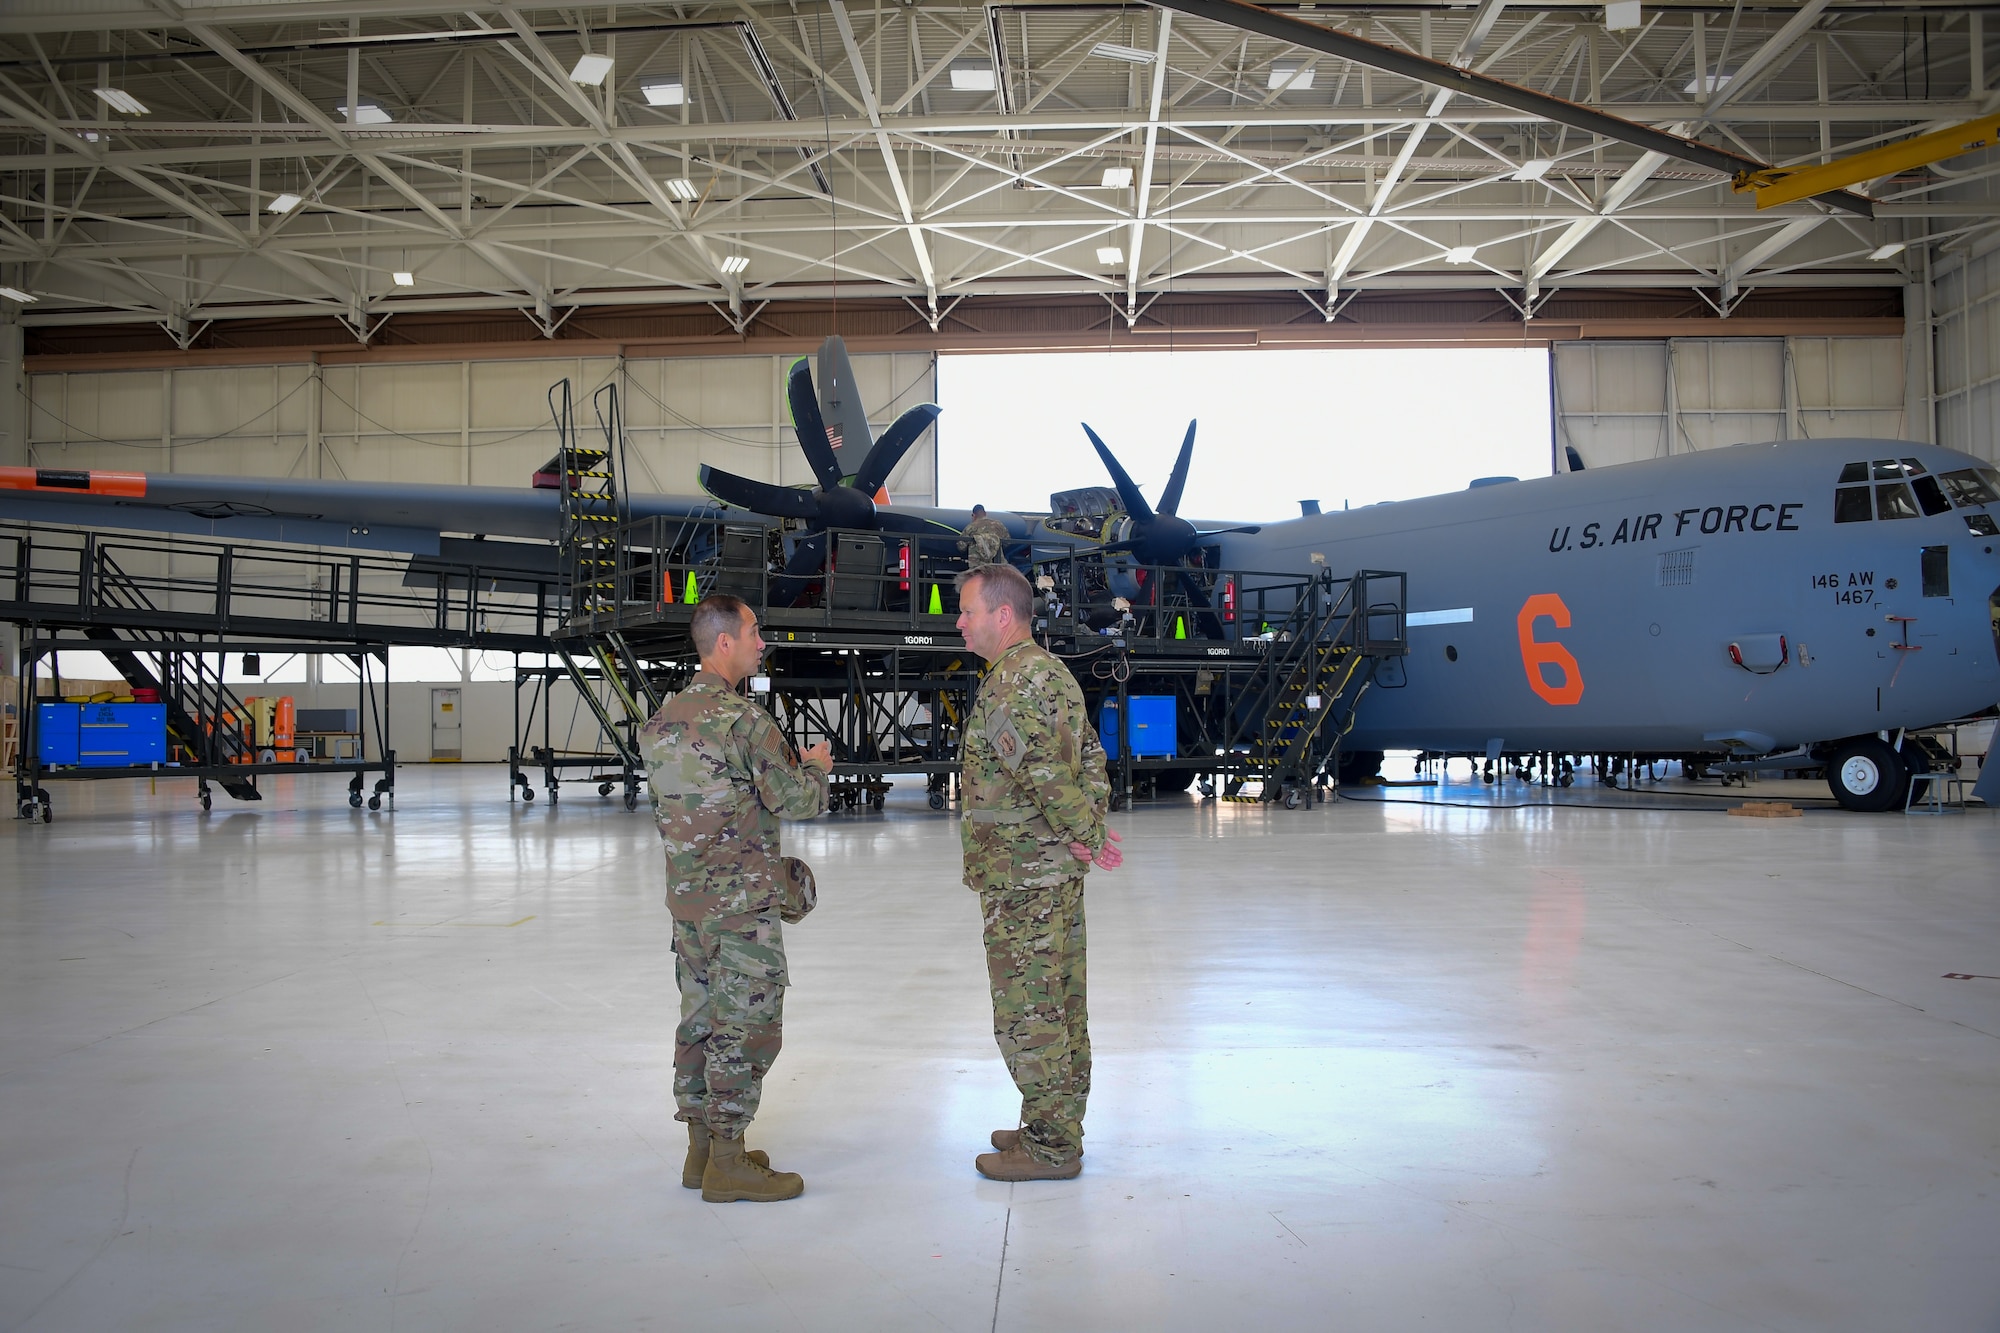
(1617, 402)
(1965, 317)
(464, 422)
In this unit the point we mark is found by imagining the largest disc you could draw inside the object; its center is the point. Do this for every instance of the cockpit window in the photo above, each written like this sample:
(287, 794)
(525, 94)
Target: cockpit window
(1853, 472)
(1890, 469)
(1850, 504)
(1931, 496)
(1972, 486)
(1895, 501)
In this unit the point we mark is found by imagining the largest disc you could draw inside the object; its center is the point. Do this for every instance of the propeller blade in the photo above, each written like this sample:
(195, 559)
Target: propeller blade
(1217, 532)
(889, 450)
(811, 427)
(808, 556)
(1170, 498)
(802, 570)
(1135, 503)
(1192, 589)
(840, 401)
(759, 497)
(1200, 599)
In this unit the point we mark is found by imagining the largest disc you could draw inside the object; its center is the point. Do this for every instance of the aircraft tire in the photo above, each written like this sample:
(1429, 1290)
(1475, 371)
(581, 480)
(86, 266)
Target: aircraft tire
(1868, 776)
(1170, 780)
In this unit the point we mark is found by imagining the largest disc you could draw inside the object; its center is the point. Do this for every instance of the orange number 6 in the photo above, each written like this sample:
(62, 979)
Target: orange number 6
(1537, 656)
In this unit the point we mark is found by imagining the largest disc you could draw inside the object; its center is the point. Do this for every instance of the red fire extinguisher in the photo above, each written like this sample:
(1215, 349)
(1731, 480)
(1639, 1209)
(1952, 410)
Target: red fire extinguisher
(1229, 599)
(903, 567)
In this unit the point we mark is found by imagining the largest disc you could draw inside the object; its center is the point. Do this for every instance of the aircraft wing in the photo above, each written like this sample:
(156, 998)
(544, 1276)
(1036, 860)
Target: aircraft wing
(371, 515)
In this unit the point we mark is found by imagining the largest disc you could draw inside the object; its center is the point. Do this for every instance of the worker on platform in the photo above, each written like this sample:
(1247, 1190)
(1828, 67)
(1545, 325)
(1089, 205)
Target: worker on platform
(985, 540)
(1035, 795)
(722, 776)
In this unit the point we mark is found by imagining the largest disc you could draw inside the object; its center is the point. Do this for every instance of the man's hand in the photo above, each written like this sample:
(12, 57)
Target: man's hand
(819, 757)
(1107, 857)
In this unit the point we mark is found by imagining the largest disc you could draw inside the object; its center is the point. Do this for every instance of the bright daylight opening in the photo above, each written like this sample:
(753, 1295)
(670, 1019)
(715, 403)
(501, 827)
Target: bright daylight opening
(1343, 427)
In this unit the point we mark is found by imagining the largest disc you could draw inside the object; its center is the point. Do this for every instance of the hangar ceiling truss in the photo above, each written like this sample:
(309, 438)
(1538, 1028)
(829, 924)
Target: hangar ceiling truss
(360, 160)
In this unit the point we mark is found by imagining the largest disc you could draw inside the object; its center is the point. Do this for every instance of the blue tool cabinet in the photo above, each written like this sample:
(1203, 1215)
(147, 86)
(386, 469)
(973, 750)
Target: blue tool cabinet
(101, 735)
(1154, 729)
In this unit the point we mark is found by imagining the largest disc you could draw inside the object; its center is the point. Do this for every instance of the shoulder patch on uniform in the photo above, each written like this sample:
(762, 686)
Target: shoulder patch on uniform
(1005, 739)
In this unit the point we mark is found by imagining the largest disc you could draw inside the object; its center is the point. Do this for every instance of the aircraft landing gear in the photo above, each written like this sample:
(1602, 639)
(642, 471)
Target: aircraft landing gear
(1866, 774)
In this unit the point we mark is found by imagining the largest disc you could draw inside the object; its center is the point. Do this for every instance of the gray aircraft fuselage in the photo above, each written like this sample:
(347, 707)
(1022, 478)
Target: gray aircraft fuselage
(1590, 612)
(1594, 611)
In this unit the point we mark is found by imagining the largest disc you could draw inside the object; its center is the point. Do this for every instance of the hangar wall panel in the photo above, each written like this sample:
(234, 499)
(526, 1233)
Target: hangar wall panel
(1617, 402)
(451, 423)
(455, 422)
(1965, 315)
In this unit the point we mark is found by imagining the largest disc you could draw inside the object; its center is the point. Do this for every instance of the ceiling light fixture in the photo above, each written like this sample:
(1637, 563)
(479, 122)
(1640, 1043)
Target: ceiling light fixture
(973, 76)
(590, 70)
(1110, 254)
(16, 294)
(366, 114)
(672, 93)
(1460, 254)
(1709, 83)
(120, 100)
(1291, 77)
(1622, 16)
(681, 188)
(734, 264)
(1118, 178)
(404, 279)
(1533, 169)
(1889, 251)
(283, 203)
(1131, 55)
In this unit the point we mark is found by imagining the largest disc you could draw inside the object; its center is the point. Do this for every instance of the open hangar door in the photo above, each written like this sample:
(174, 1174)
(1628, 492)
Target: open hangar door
(1621, 401)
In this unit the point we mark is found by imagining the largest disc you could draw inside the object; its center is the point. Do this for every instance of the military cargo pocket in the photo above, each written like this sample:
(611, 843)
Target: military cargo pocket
(758, 952)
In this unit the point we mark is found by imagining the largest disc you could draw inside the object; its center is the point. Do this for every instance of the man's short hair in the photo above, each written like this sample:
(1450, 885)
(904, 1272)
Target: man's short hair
(979, 511)
(999, 585)
(716, 614)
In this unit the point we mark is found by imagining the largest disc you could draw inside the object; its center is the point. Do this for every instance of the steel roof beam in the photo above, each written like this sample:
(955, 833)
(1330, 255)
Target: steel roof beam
(1446, 77)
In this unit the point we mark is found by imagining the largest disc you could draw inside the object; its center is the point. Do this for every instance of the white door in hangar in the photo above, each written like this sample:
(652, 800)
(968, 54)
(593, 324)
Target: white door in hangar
(447, 731)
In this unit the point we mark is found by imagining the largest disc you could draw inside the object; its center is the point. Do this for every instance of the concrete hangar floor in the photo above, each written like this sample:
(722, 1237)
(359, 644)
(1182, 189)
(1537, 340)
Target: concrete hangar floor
(1373, 1066)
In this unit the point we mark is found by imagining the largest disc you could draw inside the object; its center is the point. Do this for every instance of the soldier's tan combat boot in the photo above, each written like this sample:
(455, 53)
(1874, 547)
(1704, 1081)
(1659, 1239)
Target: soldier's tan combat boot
(732, 1177)
(1015, 1164)
(697, 1158)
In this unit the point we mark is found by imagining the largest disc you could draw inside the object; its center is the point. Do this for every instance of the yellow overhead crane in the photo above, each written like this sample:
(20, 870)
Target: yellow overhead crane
(1781, 185)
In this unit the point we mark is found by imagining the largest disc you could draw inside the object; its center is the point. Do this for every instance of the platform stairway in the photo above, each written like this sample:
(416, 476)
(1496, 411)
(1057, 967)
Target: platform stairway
(204, 716)
(591, 504)
(1304, 697)
(628, 698)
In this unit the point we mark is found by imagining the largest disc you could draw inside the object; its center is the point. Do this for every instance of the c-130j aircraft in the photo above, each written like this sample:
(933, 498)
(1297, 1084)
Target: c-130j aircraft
(1809, 601)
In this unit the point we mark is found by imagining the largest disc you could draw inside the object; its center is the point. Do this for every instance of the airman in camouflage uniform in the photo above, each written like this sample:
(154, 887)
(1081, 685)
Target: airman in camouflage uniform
(985, 540)
(722, 776)
(1035, 796)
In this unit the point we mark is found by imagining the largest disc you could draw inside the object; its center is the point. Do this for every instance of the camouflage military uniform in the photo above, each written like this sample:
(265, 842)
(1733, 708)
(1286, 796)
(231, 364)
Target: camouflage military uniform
(986, 541)
(1034, 783)
(722, 776)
